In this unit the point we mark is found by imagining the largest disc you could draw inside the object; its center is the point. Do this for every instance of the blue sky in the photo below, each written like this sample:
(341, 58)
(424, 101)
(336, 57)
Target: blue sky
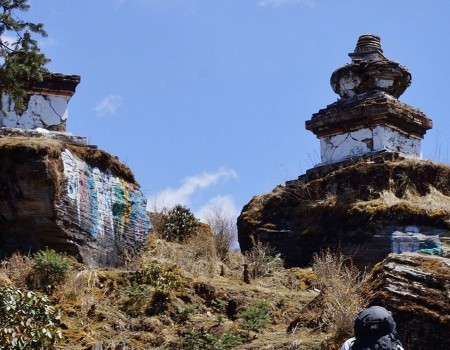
(206, 100)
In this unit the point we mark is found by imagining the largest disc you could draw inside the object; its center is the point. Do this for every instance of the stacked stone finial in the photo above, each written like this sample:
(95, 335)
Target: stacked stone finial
(369, 118)
(370, 71)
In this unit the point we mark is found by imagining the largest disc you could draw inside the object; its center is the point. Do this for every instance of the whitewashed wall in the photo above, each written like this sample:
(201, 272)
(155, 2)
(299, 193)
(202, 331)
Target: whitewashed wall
(339, 147)
(42, 112)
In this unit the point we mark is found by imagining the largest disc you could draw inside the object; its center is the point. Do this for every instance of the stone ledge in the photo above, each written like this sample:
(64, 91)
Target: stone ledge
(376, 108)
(43, 133)
(321, 170)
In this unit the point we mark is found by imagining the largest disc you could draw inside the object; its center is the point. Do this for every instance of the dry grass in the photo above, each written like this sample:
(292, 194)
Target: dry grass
(339, 282)
(261, 260)
(17, 269)
(79, 289)
(91, 155)
(93, 302)
(434, 204)
(196, 256)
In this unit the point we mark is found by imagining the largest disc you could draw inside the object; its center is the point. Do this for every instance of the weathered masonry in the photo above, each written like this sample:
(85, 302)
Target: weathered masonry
(368, 118)
(47, 104)
(58, 191)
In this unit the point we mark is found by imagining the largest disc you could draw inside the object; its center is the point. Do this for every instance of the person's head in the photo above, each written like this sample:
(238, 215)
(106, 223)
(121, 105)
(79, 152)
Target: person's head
(372, 325)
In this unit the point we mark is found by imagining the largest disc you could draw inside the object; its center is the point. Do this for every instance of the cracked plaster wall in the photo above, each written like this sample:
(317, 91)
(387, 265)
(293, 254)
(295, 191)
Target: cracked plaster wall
(44, 111)
(338, 147)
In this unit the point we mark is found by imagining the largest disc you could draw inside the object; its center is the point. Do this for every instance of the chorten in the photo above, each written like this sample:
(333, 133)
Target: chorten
(368, 118)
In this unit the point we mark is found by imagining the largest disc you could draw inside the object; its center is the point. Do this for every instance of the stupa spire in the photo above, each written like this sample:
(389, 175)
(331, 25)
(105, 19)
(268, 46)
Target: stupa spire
(368, 118)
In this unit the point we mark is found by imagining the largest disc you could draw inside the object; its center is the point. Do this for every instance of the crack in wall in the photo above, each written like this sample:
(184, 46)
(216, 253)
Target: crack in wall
(47, 98)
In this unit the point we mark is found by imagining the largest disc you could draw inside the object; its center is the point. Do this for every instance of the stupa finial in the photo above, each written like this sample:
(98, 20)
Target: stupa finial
(370, 71)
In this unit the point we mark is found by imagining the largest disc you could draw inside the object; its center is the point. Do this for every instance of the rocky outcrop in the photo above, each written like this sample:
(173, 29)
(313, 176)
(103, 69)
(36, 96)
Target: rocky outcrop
(69, 197)
(416, 289)
(365, 209)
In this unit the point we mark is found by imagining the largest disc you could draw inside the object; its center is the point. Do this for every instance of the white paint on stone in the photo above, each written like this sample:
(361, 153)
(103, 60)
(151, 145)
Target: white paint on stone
(382, 137)
(411, 242)
(105, 204)
(349, 83)
(383, 83)
(43, 111)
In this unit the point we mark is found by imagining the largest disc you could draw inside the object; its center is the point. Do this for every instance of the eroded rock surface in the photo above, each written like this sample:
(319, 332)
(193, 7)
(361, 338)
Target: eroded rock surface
(356, 207)
(71, 198)
(416, 289)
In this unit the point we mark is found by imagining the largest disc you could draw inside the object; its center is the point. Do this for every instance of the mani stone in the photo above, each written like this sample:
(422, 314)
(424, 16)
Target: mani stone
(71, 198)
(368, 118)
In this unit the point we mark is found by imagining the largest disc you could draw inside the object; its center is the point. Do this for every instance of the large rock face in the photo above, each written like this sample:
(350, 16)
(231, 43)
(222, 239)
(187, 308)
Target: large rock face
(416, 289)
(368, 210)
(71, 198)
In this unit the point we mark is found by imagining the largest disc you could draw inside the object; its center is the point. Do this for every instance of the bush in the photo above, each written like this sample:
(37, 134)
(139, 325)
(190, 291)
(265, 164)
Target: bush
(27, 320)
(149, 289)
(224, 229)
(339, 281)
(162, 278)
(17, 268)
(202, 340)
(182, 312)
(50, 267)
(180, 224)
(262, 260)
(256, 317)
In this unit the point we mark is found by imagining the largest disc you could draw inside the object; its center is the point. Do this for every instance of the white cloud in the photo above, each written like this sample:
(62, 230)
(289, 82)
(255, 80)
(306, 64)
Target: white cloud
(277, 3)
(109, 105)
(170, 197)
(220, 204)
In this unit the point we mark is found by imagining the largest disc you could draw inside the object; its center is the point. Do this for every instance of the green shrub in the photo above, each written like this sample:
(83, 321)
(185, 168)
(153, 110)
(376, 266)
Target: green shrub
(27, 320)
(219, 305)
(149, 289)
(180, 224)
(135, 290)
(256, 317)
(50, 267)
(202, 340)
(162, 278)
(182, 312)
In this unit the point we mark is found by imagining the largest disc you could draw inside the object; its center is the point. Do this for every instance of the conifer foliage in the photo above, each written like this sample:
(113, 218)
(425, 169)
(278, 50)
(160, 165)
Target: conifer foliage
(21, 62)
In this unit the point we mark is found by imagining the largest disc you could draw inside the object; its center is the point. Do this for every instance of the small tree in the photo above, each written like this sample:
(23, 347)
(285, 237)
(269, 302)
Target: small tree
(50, 267)
(224, 230)
(180, 224)
(22, 63)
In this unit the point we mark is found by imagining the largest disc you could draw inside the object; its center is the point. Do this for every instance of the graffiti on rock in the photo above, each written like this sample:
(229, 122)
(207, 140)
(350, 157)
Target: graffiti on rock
(105, 204)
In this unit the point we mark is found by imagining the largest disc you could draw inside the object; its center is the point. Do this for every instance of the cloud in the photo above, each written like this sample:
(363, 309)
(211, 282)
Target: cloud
(109, 105)
(277, 3)
(170, 197)
(220, 204)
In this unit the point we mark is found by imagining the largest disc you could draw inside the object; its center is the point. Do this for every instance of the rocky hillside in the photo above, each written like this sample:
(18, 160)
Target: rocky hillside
(359, 207)
(181, 297)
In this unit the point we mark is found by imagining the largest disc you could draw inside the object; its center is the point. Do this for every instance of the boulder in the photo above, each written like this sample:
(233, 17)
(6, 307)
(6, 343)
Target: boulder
(70, 197)
(367, 208)
(416, 289)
